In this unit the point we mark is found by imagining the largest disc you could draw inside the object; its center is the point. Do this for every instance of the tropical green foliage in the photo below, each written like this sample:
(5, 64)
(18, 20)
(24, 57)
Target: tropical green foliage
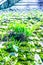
(21, 38)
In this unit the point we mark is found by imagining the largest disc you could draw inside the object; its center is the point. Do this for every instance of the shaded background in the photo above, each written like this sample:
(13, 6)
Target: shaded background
(21, 4)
